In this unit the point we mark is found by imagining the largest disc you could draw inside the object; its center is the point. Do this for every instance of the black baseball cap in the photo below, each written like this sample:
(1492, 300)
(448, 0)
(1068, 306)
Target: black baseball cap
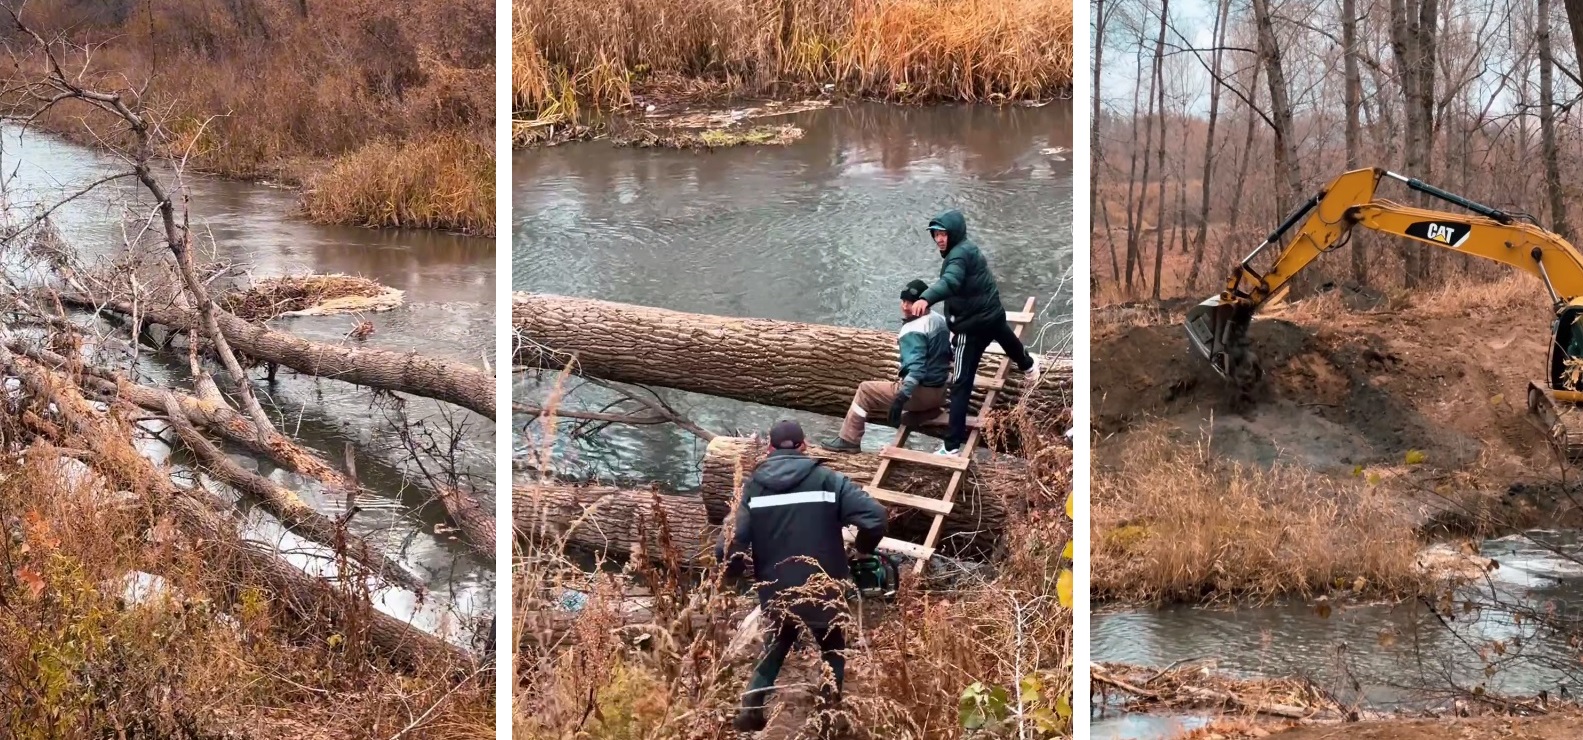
(786, 435)
(914, 290)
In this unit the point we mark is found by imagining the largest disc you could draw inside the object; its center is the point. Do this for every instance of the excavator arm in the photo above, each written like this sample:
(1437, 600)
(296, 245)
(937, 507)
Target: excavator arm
(1217, 327)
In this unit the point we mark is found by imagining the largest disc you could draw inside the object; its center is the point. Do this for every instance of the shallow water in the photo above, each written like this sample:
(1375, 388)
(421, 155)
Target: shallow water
(1380, 656)
(449, 311)
(826, 230)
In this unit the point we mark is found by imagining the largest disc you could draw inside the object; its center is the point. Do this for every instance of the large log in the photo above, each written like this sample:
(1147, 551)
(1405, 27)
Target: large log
(406, 372)
(608, 519)
(992, 491)
(810, 367)
(613, 521)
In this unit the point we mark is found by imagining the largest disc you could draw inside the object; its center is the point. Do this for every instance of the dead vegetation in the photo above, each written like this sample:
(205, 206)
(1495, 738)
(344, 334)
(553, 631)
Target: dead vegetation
(234, 632)
(655, 645)
(334, 97)
(268, 298)
(572, 61)
(1176, 523)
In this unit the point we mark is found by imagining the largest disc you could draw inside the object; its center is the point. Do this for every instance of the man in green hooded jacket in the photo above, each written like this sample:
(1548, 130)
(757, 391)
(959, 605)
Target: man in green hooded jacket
(974, 313)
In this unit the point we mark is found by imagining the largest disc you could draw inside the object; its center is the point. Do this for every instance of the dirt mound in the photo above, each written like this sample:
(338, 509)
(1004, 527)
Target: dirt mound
(1341, 389)
(309, 295)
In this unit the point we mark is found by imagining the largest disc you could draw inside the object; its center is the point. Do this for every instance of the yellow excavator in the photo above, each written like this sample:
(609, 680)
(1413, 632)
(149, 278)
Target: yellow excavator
(1217, 327)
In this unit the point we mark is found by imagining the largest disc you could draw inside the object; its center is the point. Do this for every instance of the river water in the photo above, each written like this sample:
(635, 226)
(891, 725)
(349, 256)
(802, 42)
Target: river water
(825, 230)
(1385, 657)
(448, 311)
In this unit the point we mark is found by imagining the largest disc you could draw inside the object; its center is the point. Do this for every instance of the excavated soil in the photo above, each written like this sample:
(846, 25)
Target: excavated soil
(1352, 389)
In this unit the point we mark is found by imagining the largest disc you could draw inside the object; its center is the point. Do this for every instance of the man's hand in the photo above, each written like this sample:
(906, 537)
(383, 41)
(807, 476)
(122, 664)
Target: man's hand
(918, 308)
(896, 408)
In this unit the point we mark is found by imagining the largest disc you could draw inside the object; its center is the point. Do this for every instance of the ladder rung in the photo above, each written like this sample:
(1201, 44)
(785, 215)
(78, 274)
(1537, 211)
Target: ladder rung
(933, 505)
(994, 349)
(980, 381)
(952, 462)
(945, 418)
(1019, 317)
(895, 546)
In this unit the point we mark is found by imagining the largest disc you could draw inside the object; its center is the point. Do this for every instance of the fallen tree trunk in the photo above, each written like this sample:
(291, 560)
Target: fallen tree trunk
(809, 367)
(476, 522)
(613, 521)
(312, 601)
(405, 372)
(991, 491)
(608, 519)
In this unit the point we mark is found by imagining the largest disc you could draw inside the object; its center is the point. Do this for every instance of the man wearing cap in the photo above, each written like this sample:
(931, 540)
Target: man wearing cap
(925, 345)
(790, 519)
(974, 313)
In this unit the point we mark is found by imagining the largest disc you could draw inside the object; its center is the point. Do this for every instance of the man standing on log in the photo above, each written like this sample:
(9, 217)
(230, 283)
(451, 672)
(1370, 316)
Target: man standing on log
(790, 518)
(974, 313)
(925, 345)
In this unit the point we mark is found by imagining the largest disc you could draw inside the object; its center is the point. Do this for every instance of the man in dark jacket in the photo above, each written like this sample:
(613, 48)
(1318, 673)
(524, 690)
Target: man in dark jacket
(975, 314)
(790, 518)
(925, 346)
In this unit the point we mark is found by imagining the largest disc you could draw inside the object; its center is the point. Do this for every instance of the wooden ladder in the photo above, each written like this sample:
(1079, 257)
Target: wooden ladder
(957, 464)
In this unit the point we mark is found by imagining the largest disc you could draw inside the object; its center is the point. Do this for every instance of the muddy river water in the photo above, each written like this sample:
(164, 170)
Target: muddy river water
(825, 230)
(1384, 657)
(448, 311)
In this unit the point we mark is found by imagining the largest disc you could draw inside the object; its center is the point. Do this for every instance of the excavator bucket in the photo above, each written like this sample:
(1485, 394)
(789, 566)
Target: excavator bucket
(1218, 331)
(1201, 333)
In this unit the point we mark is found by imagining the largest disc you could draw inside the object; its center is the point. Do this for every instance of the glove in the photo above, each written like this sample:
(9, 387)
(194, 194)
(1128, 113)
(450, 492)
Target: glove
(896, 407)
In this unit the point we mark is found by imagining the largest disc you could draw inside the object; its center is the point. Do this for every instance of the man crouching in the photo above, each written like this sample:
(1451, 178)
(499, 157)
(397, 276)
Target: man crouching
(925, 345)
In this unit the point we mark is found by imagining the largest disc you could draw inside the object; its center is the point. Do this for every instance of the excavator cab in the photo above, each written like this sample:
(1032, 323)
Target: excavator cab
(1566, 349)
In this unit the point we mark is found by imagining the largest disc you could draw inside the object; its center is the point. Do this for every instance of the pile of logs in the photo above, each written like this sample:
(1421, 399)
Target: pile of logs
(807, 367)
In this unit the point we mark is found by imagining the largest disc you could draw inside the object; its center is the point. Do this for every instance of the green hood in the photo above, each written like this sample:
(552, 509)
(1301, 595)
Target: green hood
(954, 224)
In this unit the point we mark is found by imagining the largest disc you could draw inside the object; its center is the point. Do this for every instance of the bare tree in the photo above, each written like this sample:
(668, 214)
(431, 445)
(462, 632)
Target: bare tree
(1216, 56)
(1413, 43)
(1353, 94)
(1280, 107)
(1547, 124)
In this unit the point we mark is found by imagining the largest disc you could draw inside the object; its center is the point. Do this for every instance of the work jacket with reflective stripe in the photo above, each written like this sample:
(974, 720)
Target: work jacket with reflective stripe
(790, 520)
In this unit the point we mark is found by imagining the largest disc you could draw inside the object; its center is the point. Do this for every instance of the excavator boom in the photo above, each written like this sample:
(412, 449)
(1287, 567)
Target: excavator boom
(1217, 328)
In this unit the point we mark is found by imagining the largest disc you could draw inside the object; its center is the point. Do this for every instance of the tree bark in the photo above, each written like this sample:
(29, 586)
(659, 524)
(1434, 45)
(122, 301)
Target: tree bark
(1280, 108)
(613, 521)
(1353, 99)
(1413, 43)
(809, 367)
(1096, 152)
(1202, 234)
(405, 372)
(618, 521)
(1547, 125)
(985, 505)
(1159, 92)
(1574, 9)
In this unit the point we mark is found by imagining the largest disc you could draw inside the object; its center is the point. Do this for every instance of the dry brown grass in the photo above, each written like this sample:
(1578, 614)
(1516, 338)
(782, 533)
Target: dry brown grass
(649, 653)
(572, 54)
(197, 659)
(1177, 524)
(271, 297)
(259, 91)
(445, 181)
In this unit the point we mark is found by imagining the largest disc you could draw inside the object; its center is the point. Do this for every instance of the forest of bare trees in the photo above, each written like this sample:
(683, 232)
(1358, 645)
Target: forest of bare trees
(1213, 119)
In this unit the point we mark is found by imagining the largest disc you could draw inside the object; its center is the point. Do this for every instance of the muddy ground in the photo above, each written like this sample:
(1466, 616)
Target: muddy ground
(1351, 390)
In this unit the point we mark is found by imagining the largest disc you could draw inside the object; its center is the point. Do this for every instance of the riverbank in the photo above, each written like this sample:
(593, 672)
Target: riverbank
(566, 77)
(114, 622)
(376, 123)
(1380, 431)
